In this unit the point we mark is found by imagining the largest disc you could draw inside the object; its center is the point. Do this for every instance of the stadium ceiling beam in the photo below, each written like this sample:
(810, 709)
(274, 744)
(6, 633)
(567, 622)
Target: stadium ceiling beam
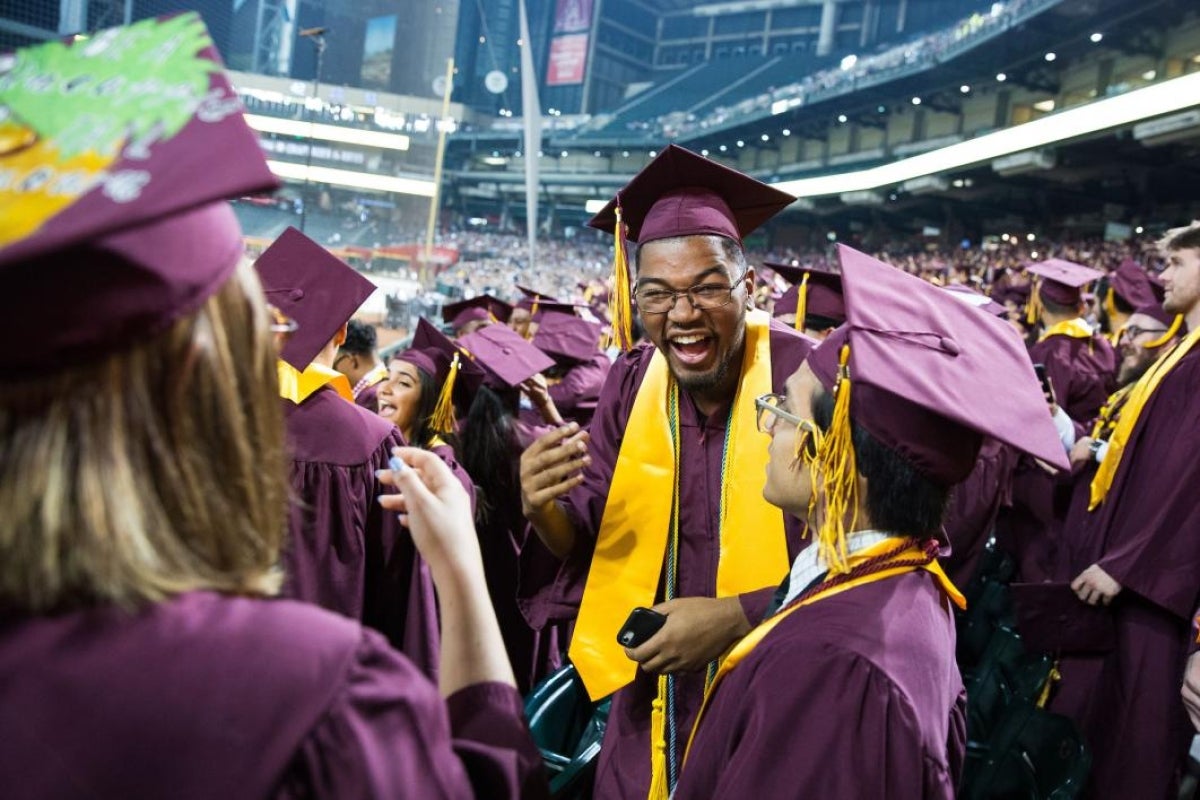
(1143, 42)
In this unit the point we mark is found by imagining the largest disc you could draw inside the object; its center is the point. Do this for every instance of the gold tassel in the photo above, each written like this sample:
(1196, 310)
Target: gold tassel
(801, 303)
(659, 789)
(1110, 304)
(1176, 324)
(443, 420)
(1033, 309)
(838, 476)
(622, 305)
(1054, 677)
(533, 308)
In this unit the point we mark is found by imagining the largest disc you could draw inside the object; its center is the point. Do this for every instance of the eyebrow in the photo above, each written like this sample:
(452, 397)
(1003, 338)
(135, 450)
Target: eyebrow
(719, 268)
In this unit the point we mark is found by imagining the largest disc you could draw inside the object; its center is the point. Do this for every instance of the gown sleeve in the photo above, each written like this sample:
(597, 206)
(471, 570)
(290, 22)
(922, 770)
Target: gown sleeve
(388, 733)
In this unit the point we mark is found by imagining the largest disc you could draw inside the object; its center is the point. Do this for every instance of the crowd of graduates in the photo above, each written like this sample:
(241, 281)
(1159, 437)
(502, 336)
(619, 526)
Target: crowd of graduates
(743, 503)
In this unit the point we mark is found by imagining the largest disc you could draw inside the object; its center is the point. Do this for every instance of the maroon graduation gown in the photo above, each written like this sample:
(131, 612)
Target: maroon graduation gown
(368, 398)
(344, 552)
(854, 696)
(1144, 536)
(577, 393)
(974, 507)
(624, 767)
(1082, 372)
(210, 696)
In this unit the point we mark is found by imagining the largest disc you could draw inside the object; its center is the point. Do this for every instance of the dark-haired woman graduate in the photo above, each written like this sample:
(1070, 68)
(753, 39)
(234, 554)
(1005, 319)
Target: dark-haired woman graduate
(493, 437)
(849, 687)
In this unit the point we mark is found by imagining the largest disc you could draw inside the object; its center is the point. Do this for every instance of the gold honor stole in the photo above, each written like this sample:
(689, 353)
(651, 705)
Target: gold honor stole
(632, 542)
(1075, 328)
(1139, 395)
(298, 386)
(751, 640)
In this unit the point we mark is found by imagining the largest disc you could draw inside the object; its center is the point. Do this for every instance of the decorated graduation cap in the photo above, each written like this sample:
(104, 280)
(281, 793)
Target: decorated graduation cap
(508, 359)
(814, 292)
(312, 286)
(1130, 285)
(432, 352)
(113, 223)
(680, 193)
(927, 376)
(1062, 281)
(567, 337)
(484, 307)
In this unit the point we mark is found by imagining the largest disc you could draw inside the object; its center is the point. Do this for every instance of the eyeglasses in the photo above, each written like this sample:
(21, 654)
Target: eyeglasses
(1133, 331)
(770, 409)
(808, 435)
(703, 297)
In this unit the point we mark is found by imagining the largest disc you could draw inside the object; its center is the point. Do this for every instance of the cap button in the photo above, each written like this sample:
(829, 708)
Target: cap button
(296, 294)
(506, 350)
(949, 346)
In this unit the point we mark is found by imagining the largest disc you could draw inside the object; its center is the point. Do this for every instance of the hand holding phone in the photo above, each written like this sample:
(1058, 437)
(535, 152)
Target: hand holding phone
(641, 624)
(1047, 386)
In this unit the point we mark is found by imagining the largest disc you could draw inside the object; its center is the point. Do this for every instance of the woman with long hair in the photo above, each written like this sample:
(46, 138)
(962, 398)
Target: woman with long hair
(143, 478)
(493, 436)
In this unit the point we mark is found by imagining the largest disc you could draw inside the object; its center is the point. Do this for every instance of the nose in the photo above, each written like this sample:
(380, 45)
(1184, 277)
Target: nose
(682, 308)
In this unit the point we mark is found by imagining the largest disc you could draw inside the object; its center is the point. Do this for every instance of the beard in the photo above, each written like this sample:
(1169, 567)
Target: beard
(716, 377)
(1128, 373)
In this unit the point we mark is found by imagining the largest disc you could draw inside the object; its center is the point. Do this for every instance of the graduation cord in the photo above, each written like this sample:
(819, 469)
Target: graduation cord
(668, 683)
(884, 561)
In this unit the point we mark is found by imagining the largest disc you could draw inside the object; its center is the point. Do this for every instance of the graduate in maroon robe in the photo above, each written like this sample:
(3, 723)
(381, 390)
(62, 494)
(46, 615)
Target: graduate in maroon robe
(344, 553)
(1135, 554)
(493, 437)
(813, 303)
(850, 688)
(143, 477)
(693, 294)
(467, 316)
(358, 361)
(579, 370)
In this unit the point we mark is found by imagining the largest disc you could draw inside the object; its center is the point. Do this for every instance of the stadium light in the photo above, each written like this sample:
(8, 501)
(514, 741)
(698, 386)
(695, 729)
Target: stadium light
(964, 89)
(1139, 229)
(1100, 115)
(1097, 37)
(766, 138)
(916, 101)
(356, 180)
(841, 117)
(1051, 56)
(328, 133)
(787, 132)
(1001, 77)
(740, 143)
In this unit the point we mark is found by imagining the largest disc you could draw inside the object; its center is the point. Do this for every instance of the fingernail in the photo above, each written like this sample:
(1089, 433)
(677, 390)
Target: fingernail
(379, 499)
(379, 473)
(396, 464)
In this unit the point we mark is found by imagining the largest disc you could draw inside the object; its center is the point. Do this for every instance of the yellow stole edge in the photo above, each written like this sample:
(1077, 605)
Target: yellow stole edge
(631, 545)
(1074, 328)
(298, 386)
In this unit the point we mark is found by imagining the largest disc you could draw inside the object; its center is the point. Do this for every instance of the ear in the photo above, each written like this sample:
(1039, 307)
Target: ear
(339, 338)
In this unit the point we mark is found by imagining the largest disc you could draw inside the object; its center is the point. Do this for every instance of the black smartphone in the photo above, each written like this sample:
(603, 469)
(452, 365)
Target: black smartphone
(640, 626)
(1047, 387)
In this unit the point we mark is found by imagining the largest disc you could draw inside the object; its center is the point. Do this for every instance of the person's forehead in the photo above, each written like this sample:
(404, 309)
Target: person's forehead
(683, 256)
(1143, 321)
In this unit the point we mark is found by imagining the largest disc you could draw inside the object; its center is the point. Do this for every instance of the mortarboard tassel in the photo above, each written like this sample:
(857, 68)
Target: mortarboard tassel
(622, 305)
(1176, 324)
(1110, 304)
(1033, 309)
(801, 303)
(442, 419)
(839, 476)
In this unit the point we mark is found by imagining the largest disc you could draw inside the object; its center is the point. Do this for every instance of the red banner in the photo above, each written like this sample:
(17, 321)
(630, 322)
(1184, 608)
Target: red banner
(568, 58)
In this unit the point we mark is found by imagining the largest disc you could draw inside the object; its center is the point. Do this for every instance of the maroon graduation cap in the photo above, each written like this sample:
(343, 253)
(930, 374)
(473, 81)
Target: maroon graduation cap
(484, 307)
(567, 337)
(312, 286)
(1063, 281)
(508, 359)
(1131, 284)
(432, 352)
(113, 223)
(817, 291)
(931, 376)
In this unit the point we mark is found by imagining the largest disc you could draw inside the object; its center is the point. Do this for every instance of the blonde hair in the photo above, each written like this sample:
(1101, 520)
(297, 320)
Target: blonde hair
(148, 472)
